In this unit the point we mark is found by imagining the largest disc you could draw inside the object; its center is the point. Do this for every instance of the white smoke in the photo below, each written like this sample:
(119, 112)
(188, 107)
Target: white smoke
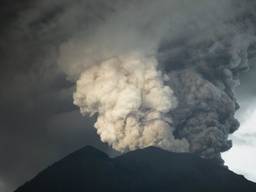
(131, 100)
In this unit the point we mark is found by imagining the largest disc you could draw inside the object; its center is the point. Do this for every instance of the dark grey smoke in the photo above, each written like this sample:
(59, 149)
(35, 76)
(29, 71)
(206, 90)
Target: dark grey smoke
(204, 76)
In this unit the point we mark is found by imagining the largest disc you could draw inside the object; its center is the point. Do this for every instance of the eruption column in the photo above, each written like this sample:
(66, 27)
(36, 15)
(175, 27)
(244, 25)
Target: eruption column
(131, 101)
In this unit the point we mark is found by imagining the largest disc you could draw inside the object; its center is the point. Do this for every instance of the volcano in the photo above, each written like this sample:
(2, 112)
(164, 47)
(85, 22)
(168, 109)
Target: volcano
(150, 170)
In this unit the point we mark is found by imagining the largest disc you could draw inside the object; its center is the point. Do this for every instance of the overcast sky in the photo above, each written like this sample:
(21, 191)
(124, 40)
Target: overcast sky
(39, 123)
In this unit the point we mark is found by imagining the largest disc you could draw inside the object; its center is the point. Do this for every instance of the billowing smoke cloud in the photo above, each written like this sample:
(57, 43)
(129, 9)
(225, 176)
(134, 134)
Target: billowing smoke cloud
(131, 100)
(198, 49)
(206, 115)
(162, 72)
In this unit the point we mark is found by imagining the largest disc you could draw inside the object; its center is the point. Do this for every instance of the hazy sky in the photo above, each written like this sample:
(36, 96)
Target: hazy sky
(39, 123)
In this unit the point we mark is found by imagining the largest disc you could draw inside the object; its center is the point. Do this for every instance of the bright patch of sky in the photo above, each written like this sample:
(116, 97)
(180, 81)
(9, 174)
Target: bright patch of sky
(242, 157)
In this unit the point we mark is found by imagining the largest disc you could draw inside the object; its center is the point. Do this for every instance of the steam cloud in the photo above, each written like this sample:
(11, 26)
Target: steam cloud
(162, 72)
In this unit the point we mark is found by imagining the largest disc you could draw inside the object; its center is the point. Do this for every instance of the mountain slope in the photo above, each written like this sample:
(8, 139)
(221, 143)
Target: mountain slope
(149, 169)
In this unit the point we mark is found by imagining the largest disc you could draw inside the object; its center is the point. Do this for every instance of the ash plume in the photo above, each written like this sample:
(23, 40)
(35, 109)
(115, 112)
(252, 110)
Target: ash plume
(131, 100)
(162, 73)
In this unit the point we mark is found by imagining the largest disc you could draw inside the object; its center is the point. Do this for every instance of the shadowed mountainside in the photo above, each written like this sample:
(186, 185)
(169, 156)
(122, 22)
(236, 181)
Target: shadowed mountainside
(149, 169)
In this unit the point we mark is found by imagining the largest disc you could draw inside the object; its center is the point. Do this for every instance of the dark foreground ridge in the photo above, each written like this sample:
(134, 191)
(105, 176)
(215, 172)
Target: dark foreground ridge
(149, 170)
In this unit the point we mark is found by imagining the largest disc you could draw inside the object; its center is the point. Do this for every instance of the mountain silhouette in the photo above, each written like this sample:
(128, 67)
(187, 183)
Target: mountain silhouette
(150, 170)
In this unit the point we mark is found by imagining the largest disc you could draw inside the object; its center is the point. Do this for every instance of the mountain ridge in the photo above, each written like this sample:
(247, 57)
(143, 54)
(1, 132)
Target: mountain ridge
(149, 169)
